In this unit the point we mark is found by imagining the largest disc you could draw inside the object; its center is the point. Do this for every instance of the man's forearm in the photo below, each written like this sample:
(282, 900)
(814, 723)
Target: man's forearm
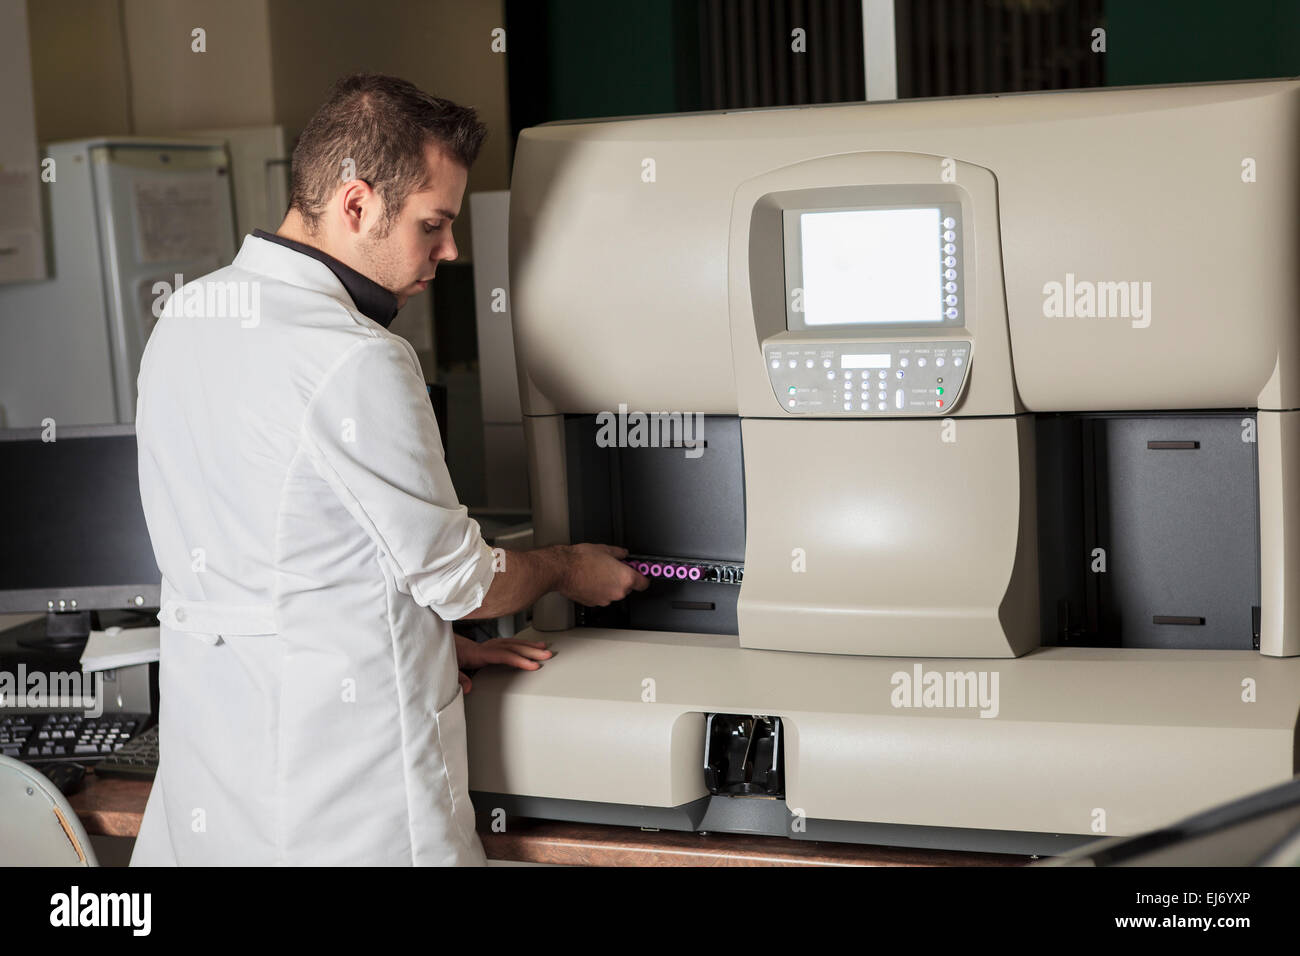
(525, 577)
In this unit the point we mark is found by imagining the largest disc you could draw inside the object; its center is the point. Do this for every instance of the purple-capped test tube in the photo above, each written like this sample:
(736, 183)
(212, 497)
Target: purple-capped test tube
(643, 567)
(694, 574)
(656, 570)
(682, 571)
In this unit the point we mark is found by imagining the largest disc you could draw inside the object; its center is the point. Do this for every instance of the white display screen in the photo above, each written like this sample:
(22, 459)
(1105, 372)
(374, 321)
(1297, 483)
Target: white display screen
(872, 266)
(865, 361)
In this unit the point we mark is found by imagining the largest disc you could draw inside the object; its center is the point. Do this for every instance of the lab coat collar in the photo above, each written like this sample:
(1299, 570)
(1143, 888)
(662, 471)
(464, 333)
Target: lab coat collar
(310, 268)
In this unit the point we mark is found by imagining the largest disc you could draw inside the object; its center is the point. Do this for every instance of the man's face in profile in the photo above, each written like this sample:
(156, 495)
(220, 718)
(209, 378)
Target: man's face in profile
(403, 261)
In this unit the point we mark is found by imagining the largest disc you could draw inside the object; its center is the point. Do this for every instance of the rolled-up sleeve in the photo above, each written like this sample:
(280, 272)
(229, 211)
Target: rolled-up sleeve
(371, 431)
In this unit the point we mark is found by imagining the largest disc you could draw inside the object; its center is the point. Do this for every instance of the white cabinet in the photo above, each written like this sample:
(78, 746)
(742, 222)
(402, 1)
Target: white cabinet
(127, 216)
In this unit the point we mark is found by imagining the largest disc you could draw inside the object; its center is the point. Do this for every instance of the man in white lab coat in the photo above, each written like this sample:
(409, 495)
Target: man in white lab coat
(312, 546)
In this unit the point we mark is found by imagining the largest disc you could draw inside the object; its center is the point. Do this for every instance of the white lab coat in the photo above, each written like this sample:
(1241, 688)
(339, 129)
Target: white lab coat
(312, 551)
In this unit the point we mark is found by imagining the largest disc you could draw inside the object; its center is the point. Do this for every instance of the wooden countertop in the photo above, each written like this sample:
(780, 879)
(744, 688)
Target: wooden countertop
(112, 806)
(586, 844)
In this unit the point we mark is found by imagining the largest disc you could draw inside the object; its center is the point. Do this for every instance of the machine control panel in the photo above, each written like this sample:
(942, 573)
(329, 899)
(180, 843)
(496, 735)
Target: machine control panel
(854, 380)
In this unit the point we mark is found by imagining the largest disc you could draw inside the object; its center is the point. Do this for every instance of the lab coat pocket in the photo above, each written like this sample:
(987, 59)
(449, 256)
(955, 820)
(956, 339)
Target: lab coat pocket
(453, 744)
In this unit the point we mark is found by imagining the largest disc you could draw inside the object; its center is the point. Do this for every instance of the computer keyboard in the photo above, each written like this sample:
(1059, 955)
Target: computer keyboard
(139, 758)
(40, 738)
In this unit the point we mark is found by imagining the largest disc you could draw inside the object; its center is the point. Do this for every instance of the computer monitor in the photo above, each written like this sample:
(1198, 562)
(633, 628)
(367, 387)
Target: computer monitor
(74, 542)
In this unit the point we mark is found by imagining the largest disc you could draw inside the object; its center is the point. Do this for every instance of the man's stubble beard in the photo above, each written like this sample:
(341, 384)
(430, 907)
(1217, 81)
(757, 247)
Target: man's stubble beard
(381, 264)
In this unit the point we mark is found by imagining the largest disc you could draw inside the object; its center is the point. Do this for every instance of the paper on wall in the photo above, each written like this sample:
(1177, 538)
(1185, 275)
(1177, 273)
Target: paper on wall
(176, 219)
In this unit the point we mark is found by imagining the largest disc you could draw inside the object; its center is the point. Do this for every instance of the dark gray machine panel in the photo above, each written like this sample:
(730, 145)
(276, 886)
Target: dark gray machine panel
(662, 502)
(1149, 530)
(1183, 518)
(687, 507)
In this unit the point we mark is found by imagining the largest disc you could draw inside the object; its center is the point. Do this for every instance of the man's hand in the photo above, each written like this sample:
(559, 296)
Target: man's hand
(591, 574)
(595, 575)
(471, 655)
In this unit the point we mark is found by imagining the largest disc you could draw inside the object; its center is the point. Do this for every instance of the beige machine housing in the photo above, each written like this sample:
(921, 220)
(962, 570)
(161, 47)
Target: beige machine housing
(1125, 254)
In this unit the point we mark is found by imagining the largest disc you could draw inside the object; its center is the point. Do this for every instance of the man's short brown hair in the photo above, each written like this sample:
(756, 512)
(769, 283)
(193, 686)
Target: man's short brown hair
(375, 128)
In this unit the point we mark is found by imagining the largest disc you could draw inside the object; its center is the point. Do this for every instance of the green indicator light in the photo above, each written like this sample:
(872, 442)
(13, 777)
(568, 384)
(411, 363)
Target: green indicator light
(939, 390)
(791, 389)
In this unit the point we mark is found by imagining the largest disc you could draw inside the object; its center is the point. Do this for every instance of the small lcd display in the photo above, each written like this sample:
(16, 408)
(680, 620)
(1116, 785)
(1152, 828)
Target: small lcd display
(866, 361)
(872, 267)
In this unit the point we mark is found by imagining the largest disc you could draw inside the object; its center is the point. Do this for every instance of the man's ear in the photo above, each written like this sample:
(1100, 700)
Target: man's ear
(357, 200)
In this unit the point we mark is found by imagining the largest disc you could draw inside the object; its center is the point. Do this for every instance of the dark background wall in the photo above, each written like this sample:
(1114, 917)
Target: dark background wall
(572, 59)
(1180, 41)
